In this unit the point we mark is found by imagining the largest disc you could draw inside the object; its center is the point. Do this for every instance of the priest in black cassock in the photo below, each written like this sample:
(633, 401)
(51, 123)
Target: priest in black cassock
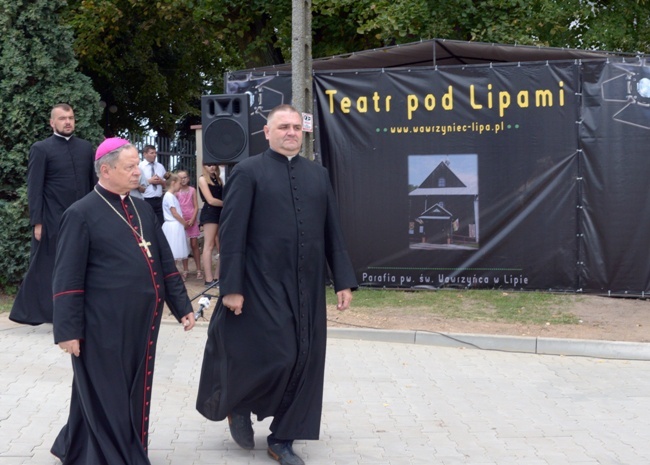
(113, 273)
(265, 352)
(59, 172)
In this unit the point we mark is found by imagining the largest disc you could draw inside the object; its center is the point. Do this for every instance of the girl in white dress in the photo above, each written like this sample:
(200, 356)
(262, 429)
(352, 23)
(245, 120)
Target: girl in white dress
(174, 225)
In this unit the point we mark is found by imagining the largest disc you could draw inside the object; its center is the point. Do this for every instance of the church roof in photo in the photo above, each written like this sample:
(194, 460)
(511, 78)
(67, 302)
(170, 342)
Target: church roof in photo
(452, 184)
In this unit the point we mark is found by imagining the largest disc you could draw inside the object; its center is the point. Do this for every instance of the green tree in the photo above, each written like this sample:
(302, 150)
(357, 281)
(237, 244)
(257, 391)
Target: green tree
(150, 61)
(37, 71)
(391, 22)
(622, 26)
(343, 25)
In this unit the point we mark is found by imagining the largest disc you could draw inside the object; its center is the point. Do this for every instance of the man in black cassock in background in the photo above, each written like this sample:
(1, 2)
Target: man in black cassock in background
(113, 273)
(265, 352)
(59, 172)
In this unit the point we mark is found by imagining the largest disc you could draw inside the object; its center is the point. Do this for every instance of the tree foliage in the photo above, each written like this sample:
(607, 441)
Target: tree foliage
(37, 70)
(152, 60)
(603, 24)
(622, 25)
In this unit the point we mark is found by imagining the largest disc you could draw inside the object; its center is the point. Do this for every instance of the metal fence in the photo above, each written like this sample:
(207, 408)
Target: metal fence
(174, 154)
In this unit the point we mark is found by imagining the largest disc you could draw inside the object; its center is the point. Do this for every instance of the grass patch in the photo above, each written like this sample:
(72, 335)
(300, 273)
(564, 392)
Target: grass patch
(475, 305)
(6, 302)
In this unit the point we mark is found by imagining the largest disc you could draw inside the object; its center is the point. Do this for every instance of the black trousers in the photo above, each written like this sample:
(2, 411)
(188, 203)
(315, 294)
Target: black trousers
(156, 204)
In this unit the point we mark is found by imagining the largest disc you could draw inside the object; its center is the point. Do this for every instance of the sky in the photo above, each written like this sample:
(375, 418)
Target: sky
(465, 166)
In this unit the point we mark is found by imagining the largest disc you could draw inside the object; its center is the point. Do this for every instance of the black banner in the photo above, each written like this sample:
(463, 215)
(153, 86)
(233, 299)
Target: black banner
(265, 92)
(456, 177)
(516, 176)
(615, 170)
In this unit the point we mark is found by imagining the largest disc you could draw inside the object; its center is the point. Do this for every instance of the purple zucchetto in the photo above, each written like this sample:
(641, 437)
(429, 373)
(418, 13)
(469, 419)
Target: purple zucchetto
(109, 145)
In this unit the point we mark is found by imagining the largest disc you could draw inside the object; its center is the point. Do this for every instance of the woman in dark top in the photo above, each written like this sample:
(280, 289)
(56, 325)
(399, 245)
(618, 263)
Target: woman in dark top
(211, 192)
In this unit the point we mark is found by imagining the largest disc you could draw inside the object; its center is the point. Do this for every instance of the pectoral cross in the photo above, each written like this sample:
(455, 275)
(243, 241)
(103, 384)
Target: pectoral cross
(145, 245)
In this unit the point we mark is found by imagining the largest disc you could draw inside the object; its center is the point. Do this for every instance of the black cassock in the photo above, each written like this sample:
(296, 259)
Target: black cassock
(110, 294)
(279, 229)
(59, 173)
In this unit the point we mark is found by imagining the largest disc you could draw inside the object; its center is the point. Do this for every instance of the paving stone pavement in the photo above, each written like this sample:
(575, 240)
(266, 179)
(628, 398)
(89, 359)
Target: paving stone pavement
(385, 403)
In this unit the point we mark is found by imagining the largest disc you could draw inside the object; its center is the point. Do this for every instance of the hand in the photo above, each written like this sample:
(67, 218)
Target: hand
(344, 299)
(38, 230)
(71, 347)
(234, 302)
(188, 321)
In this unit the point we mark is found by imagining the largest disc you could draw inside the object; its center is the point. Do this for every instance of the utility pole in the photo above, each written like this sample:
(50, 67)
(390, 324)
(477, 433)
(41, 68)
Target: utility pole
(301, 67)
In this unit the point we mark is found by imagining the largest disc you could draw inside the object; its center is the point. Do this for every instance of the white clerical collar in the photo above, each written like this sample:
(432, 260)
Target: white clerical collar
(63, 137)
(291, 157)
(122, 196)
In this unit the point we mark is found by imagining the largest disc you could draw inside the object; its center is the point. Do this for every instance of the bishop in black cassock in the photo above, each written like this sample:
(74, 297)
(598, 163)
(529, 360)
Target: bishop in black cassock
(265, 352)
(59, 172)
(114, 271)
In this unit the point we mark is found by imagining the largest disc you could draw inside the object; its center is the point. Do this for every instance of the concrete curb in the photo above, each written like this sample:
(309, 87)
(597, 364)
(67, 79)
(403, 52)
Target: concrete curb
(531, 345)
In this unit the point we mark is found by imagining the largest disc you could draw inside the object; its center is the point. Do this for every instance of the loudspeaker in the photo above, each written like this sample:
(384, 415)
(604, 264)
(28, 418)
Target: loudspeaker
(225, 128)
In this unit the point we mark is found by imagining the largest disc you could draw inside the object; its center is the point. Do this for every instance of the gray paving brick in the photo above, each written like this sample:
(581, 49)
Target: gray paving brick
(387, 401)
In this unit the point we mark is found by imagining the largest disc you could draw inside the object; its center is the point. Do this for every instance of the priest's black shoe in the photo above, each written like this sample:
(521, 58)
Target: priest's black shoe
(241, 430)
(283, 453)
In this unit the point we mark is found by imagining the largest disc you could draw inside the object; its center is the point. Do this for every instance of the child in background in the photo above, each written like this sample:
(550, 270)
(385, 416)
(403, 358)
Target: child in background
(188, 200)
(174, 225)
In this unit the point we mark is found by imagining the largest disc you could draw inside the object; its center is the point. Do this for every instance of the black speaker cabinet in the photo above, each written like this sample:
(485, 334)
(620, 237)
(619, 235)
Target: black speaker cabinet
(225, 128)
